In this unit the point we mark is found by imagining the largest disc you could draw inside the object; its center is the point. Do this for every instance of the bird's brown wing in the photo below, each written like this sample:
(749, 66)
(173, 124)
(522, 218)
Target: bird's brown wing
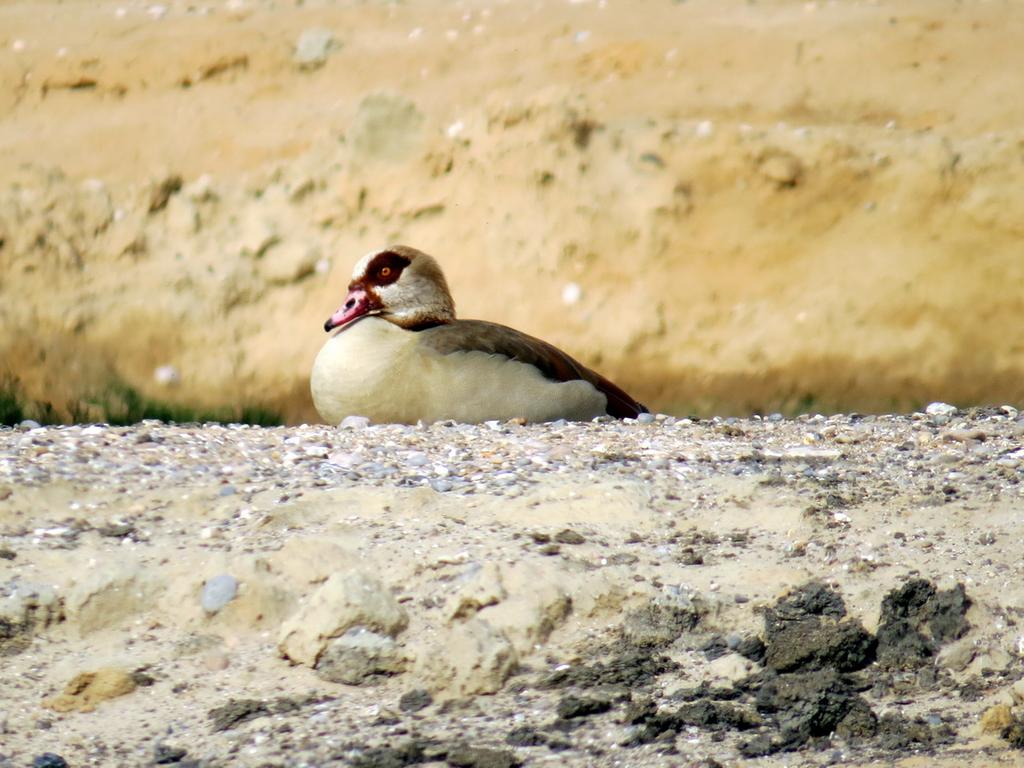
(495, 339)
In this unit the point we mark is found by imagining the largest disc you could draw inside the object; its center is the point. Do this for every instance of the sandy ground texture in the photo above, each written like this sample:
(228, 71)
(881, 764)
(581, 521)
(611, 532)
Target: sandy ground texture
(728, 206)
(816, 591)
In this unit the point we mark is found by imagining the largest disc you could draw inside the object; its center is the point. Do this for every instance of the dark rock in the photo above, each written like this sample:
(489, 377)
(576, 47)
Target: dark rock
(805, 631)
(116, 530)
(916, 620)
(575, 706)
(899, 733)
(707, 691)
(164, 754)
(812, 599)
(705, 714)
(569, 536)
(639, 711)
(807, 705)
(633, 669)
(525, 736)
(480, 757)
(759, 746)
(409, 753)
(7, 554)
(49, 760)
(713, 715)
(859, 723)
(752, 648)
(236, 711)
(715, 647)
(415, 700)
(815, 643)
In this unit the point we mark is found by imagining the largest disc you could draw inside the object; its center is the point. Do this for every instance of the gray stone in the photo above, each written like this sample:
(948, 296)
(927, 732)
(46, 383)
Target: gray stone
(358, 656)
(218, 592)
(313, 47)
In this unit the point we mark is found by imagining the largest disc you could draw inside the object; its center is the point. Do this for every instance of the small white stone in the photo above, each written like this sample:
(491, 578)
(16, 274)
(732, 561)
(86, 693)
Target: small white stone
(571, 294)
(167, 375)
(705, 129)
(18, 45)
(345, 460)
(941, 409)
(354, 422)
(455, 129)
(157, 11)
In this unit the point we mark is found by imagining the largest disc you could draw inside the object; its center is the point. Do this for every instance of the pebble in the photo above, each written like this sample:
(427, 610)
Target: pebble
(941, 409)
(49, 760)
(415, 700)
(166, 375)
(313, 47)
(645, 418)
(569, 536)
(218, 592)
(354, 422)
(165, 754)
(416, 459)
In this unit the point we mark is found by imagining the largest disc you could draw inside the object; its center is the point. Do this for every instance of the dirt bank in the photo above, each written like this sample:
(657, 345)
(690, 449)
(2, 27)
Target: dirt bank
(771, 206)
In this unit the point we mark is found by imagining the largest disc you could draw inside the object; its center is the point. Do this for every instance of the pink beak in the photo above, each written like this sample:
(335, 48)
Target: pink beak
(357, 304)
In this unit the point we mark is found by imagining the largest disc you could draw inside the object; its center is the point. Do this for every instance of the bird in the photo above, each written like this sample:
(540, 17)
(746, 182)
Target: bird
(397, 354)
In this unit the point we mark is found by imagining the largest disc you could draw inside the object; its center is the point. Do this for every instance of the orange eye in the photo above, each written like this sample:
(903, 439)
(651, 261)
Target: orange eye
(385, 271)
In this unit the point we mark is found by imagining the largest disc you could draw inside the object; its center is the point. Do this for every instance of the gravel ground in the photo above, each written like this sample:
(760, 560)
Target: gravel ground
(574, 594)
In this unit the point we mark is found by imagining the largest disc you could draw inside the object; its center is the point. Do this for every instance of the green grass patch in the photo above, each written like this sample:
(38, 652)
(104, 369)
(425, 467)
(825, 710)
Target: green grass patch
(122, 405)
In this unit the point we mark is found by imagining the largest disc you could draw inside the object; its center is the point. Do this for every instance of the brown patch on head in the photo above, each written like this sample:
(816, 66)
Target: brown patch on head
(384, 269)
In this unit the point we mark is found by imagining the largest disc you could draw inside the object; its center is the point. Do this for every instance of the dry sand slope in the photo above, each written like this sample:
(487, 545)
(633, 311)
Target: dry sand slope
(567, 594)
(727, 206)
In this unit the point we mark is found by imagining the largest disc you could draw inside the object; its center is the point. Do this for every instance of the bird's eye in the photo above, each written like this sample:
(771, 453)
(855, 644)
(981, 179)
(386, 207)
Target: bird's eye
(385, 271)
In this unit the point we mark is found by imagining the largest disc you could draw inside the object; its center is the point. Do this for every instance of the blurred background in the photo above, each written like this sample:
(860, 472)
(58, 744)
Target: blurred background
(726, 206)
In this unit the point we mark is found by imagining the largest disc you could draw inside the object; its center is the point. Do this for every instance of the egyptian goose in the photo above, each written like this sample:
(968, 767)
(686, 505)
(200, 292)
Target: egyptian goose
(397, 354)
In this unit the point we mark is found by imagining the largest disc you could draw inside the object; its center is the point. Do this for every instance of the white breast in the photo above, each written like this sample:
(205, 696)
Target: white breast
(375, 369)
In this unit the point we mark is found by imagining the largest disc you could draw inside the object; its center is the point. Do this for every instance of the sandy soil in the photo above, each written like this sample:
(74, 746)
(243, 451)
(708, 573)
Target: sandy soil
(572, 594)
(764, 206)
